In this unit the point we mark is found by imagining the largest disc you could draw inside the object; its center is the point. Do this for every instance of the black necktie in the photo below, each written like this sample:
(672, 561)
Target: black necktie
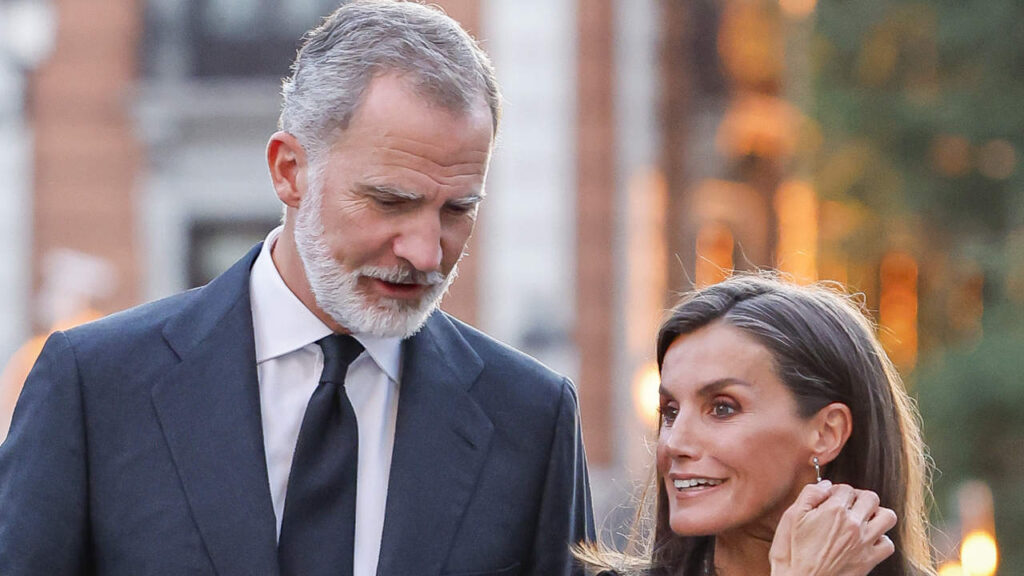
(318, 528)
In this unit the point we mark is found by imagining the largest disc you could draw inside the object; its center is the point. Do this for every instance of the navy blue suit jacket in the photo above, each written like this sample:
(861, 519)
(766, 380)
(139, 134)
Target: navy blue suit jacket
(136, 449)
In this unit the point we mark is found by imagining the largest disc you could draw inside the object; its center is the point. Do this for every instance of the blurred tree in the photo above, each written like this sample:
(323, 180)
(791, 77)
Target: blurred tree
(972, 400)
(919, 106)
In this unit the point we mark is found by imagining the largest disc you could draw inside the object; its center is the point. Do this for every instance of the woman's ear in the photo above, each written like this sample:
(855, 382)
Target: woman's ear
(830, 429)
(288, 165)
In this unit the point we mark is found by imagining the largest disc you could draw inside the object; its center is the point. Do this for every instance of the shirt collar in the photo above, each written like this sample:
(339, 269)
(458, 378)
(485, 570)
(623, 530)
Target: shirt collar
(282, 324)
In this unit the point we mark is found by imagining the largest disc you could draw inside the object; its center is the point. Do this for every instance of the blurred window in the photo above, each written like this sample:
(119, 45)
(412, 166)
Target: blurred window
(234, 38)
(231, 20)
(250, 37)
(215, 244)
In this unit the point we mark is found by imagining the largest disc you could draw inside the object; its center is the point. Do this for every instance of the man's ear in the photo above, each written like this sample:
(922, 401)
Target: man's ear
(288, 165)
(830, 429)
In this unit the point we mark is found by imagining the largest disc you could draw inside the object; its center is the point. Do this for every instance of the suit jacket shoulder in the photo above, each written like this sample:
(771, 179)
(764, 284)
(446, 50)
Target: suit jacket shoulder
(495, 436)
(136, 445)
(180, 322)
(520, 377)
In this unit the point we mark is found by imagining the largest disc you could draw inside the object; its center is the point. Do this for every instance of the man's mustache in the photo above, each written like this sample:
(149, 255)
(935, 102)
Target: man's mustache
(402, 275)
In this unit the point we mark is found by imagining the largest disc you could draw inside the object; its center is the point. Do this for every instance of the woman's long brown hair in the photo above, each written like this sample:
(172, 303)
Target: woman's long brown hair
(824, 350)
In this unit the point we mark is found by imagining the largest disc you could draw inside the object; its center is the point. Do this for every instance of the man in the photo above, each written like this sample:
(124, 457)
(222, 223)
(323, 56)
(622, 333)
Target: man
(310, 411)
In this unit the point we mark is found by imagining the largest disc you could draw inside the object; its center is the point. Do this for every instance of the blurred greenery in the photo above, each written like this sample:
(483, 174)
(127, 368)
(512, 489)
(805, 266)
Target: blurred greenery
(921, 111)
(973, 405)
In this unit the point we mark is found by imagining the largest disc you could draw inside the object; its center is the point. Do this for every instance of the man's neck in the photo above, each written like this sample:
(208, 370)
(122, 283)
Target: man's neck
(285, 255)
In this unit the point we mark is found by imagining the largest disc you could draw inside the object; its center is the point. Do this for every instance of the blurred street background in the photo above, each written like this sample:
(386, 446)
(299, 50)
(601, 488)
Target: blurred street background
(647, 146)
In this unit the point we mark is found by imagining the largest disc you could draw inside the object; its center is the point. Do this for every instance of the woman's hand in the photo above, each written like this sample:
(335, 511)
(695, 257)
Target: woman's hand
(832, 530)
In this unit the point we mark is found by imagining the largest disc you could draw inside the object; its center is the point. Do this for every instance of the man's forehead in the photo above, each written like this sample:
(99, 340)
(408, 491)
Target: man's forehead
(430, 92)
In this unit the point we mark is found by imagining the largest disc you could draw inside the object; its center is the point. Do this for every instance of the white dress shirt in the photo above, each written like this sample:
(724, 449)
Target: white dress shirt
(289, 363)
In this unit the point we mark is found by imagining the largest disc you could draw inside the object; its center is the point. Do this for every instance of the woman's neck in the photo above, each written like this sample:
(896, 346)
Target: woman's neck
(741, 553)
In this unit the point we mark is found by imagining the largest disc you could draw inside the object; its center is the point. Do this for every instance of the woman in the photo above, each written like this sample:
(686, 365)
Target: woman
(766, 387)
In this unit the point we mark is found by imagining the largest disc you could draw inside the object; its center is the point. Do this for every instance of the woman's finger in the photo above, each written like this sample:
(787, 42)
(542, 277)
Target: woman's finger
(842, 496)
(865, 506)
(811, 496)
(883, 521)
(880, 550)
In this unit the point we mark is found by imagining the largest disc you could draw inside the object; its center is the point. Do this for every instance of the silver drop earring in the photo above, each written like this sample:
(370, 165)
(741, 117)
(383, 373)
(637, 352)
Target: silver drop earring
(817, 468)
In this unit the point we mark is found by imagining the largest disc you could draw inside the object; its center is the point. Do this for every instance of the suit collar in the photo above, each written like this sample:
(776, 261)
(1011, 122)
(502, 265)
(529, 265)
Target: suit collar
(209, 411)
(441, 441)
(211, 304)
(281, 322)
(439, 351)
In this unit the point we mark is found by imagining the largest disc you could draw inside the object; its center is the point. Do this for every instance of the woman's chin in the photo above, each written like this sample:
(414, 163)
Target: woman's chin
(688, 528)
(761, 528)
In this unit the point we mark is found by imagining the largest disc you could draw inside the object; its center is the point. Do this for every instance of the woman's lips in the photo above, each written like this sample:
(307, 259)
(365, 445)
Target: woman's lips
(694, 485)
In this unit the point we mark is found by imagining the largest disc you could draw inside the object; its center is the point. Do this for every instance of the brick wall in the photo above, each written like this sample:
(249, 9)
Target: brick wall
(596, 278)
(87, 159)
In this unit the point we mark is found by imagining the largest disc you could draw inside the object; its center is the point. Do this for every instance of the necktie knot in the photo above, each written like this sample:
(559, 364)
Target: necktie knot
(339, 351)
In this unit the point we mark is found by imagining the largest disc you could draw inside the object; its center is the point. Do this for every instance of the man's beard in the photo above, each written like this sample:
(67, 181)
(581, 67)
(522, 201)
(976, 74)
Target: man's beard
(337, 291)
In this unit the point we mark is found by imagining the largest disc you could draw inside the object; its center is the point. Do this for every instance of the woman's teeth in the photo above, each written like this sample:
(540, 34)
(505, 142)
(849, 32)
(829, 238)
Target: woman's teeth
(694, 482)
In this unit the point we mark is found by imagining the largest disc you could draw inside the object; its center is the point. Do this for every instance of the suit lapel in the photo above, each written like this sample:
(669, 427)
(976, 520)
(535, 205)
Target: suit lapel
(209, 411)
(441, 441)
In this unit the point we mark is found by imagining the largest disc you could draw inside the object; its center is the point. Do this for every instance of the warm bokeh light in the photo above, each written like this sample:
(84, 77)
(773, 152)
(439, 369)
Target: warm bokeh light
(976, 507)
(839, 220)
(879, 56)
(798, 9)
(997, 159)
(751, 44)
(897, 310)
(14, 373)
(715, 245)
(645, 393)
(1014, 250)
(966, 304)
(646, 259)
(759, 125)
(951, 155)
(951, 569)
(979, 555)
(796, 207)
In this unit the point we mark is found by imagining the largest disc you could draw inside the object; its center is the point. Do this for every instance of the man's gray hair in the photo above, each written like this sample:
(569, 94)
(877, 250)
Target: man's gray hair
(365, 38)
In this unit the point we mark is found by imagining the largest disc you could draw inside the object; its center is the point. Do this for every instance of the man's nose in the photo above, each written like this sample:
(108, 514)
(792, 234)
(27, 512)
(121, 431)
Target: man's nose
(420, 244)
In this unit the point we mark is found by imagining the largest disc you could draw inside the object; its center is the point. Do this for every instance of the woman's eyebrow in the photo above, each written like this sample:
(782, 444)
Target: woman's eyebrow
(711, 388)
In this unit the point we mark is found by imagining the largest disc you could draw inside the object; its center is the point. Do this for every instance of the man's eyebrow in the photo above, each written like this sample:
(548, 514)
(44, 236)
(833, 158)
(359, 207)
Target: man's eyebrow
(379, 191)
(467, 201)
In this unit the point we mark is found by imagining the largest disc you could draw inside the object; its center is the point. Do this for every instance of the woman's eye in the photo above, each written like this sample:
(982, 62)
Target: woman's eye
(723, 409)
(668, 414)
